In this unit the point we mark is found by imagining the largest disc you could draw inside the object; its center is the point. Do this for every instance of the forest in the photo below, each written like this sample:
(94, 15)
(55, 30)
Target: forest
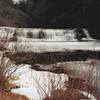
(59, 14)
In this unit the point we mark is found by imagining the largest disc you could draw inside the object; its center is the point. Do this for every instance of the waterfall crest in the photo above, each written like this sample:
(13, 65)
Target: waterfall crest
(36, 34)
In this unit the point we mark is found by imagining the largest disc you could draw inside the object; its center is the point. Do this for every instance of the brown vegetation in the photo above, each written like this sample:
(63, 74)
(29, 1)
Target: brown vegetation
(59, 88)
(68, 94)
(80, 84)
(11, 96)
(6, 70)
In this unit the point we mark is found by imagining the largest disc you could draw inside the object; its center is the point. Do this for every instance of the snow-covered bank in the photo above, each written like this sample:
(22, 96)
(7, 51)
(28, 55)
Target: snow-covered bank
(32, 82)
(76, 69)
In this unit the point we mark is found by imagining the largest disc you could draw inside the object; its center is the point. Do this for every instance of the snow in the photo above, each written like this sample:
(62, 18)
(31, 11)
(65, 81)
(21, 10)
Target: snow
(30, 87)
(29, 80)
(87, 70)
(89, 95)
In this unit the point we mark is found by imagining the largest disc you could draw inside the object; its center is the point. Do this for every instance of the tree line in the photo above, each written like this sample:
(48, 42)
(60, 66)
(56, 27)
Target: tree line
(52, 14)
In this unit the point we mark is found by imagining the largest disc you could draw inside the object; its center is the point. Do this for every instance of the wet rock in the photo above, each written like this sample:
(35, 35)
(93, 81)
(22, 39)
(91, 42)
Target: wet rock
(51, 68)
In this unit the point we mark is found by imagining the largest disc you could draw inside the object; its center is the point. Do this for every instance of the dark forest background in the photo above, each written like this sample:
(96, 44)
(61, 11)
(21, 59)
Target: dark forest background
(52, 14)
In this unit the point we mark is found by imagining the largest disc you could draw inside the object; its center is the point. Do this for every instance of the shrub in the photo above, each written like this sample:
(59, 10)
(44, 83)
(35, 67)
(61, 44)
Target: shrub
(6, 68)
(12, 96)
(68, 94)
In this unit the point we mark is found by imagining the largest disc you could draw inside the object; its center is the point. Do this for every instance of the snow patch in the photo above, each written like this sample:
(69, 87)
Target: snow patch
(31, 82)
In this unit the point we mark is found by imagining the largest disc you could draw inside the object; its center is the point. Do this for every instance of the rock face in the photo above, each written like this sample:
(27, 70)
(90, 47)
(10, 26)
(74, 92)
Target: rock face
(68, 94)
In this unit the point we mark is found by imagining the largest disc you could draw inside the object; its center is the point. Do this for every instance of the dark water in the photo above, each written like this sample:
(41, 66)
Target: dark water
(53, 57)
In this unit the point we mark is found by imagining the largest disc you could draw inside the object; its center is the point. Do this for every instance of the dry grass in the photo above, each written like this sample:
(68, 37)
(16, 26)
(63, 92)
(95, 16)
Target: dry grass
(13, 78)
(68, 94)
(58, 89)
(11, 96)
(71, 89)
(6, 66)
(6, 70)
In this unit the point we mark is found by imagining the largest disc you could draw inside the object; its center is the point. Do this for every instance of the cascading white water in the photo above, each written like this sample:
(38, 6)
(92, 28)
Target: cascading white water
(50, 34)
(53, 40)
(6, 32)
(36, 34)
(60, 35)
(87, 34)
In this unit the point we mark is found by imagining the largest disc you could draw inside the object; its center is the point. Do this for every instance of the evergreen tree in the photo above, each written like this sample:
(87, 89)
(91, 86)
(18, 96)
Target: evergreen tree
(9, 16)
(53, 14)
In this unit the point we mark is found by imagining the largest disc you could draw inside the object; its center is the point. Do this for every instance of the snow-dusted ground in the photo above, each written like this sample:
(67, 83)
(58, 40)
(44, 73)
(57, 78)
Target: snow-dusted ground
(86, 70)
(34, 84)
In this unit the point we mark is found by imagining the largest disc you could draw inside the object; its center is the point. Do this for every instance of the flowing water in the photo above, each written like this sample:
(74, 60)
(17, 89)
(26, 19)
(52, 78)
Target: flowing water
(51, 40)
(43, 34)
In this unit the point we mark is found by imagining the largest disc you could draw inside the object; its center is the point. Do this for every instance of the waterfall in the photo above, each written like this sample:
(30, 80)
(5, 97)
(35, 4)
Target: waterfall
(6, 32)
(52, 34)
(36, 34)
(87, 34)
(47, 34)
